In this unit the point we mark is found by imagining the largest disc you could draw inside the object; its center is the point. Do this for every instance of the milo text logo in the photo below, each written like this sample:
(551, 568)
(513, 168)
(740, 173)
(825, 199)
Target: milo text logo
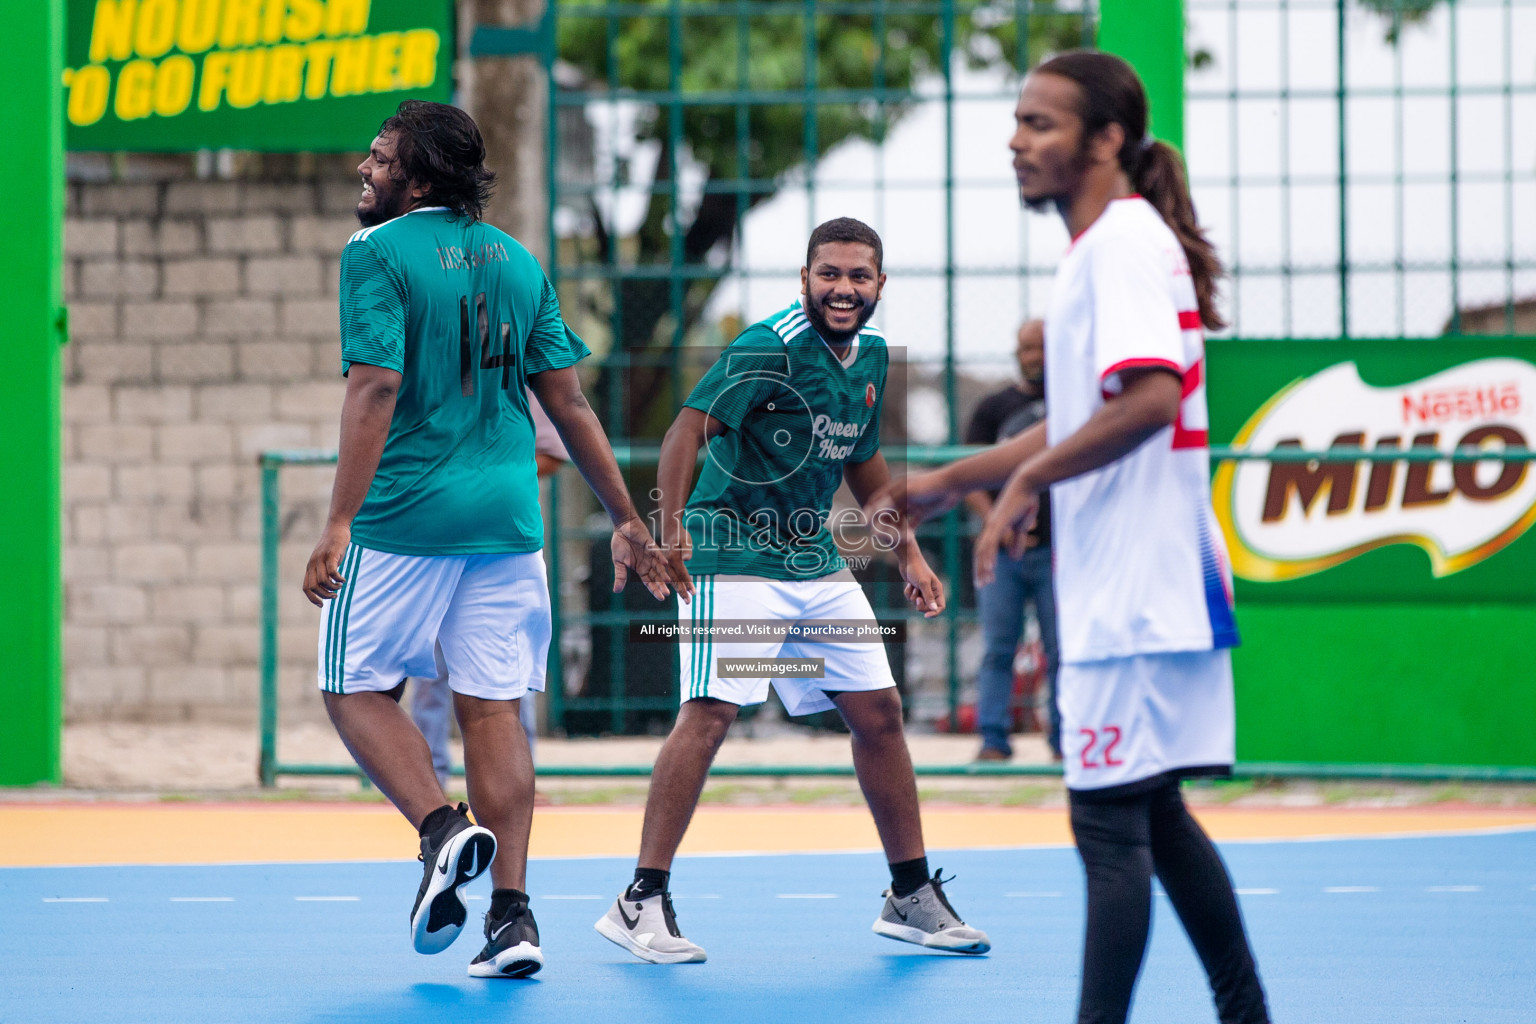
(1287, 520)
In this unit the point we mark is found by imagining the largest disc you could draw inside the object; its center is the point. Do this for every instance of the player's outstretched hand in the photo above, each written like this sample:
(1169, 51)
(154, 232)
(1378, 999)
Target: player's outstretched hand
(924, 588)
(676, 558)
(1007, 526)
(915, 497)
(634, 549)
(322, 576)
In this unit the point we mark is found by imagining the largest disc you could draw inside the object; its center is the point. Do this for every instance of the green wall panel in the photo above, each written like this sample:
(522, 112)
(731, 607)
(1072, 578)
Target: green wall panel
(1397, 684)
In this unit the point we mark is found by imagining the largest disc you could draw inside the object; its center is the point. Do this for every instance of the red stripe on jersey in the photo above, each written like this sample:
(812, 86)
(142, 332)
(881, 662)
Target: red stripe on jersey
(1193, 376)
(1189, 320)
(1183, 438)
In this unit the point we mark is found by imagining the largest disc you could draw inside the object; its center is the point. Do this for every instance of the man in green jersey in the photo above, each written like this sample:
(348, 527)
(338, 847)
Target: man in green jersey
(789, 412)
(430, 559)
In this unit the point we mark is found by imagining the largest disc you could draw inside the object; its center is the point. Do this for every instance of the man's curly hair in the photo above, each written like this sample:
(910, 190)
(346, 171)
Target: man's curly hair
(440, 146)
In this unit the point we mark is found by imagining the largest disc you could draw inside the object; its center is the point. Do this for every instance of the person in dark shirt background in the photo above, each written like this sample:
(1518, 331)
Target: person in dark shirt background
(1028, 579)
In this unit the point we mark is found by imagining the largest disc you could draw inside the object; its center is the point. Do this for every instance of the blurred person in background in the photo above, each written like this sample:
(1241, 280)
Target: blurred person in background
(1019, 581)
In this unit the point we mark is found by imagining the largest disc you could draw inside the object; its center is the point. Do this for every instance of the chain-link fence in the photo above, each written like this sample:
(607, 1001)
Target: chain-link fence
(1367, 167)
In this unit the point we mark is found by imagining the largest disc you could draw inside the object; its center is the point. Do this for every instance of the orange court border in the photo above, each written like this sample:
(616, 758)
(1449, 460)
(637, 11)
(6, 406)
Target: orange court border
(71, 834)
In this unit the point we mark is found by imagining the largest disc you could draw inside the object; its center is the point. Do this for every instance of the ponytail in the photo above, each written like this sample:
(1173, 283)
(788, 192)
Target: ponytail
(1159, 177)
(1113, 94)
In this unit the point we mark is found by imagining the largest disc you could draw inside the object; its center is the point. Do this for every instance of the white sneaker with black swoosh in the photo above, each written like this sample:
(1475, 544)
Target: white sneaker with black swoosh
(458, 855)
(647, 927)
(926, 919)
(511, 945)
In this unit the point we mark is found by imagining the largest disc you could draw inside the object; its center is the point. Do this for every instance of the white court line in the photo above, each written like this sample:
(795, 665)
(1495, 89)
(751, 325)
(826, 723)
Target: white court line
(1031, 895)
(1258, 892)
(475, 897)
(573, 897)
(202, 899)
(327, 899)
(807, 896)
(706, 896)
(1453, 888)
(1352, 888)
(103, 899)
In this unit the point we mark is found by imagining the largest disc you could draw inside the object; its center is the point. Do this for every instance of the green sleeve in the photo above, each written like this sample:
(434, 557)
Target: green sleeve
(748, 373)
(552, 345)
(372, 309)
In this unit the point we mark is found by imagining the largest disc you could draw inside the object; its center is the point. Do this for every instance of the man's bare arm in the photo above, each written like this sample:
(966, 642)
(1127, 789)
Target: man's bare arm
(990, 468)
(1148, 402)
(559, 392)
(366, 412)
(690, 432)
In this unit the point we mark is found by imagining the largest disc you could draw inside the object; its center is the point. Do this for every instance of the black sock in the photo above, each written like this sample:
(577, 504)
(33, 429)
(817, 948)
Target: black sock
(502, 900)
(909, 876)
(648, 882)
(437, 820)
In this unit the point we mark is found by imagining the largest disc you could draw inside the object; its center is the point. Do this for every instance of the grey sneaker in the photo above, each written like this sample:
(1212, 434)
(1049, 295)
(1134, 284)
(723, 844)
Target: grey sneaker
(648, 928)
(511, 946)
(456, 858)
(926, 918)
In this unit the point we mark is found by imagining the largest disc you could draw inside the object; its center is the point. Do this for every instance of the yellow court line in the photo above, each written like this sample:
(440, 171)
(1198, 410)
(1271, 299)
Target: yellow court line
(80, 834)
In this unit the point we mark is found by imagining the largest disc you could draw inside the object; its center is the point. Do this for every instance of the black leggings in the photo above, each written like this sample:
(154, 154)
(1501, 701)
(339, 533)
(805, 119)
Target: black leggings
(1122, 843)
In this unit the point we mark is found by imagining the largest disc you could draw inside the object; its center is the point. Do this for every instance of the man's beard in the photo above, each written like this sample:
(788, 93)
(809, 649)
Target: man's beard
(388, 202)
(819, 322)
(1059, 201)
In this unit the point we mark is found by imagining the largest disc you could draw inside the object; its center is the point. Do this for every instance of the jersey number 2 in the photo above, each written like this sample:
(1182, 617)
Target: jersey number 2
(488, 359)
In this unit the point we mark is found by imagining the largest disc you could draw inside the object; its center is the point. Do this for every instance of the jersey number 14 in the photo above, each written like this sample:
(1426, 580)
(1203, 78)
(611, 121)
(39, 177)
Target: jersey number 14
(489, 359)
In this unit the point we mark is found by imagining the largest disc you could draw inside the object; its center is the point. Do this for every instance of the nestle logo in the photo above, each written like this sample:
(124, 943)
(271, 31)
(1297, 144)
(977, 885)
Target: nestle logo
(1442, 405)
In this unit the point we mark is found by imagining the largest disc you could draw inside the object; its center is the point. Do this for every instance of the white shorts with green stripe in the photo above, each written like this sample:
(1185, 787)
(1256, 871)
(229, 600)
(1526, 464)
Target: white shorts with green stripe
(731, 600)
(481, 619)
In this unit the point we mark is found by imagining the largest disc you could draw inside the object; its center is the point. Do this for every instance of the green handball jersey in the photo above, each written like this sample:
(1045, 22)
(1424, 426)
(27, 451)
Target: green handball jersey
(466, 315)
(795, 413)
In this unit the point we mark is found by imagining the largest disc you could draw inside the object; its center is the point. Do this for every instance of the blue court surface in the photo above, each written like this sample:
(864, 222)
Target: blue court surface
(1396, 931)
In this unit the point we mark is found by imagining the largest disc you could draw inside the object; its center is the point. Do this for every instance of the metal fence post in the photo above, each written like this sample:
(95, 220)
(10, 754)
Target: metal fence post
(270, 538)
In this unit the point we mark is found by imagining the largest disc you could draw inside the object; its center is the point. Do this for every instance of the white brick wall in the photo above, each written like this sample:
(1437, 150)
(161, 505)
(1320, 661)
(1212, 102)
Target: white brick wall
(203, 330)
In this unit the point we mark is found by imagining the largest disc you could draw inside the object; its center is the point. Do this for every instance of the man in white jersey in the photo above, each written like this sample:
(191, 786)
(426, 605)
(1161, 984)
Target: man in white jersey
(1143, 592)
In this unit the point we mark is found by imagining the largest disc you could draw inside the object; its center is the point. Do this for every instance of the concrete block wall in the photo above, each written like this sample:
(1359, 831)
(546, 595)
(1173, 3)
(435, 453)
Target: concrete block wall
(203, 330)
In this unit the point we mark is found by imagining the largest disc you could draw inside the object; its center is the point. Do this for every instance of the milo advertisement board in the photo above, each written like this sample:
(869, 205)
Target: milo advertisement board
(1386, 607)
(271, 75)
(1352, 529)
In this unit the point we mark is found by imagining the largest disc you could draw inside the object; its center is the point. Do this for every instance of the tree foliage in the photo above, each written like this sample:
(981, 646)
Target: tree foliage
(745, 149)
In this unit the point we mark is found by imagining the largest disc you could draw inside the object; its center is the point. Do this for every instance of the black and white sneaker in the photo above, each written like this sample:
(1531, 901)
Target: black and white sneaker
(647, 927)
(511, 945)
(458, 855)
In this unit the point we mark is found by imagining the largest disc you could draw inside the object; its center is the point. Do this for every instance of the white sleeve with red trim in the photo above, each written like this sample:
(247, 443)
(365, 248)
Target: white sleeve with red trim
(1135, 318)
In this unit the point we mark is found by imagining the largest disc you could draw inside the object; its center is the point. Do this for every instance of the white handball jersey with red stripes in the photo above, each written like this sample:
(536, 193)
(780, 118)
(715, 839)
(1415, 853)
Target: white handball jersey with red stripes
(1140, 563)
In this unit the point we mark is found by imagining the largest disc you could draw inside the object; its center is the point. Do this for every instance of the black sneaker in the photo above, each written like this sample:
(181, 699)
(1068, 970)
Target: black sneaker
(457, 855)
(511, 946)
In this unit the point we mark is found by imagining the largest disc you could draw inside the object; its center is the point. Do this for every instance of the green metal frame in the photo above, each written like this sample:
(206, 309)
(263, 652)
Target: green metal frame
(272, 463)
(34, 328)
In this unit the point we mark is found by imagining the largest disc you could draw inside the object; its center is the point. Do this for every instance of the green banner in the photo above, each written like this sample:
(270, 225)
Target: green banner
(1359, 531)
(269, 75)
